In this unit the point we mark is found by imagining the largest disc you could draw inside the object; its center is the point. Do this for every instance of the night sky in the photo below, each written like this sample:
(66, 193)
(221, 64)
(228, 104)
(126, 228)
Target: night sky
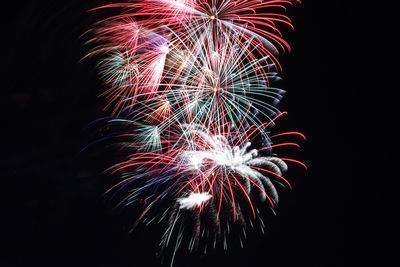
(53, 210)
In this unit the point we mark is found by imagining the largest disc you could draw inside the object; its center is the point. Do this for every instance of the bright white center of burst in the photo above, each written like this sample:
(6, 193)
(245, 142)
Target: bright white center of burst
(212, 17)
(214, 54)
(164, 49)
(178, 2)
(194, 199)
(221, 155)
(195, 161)
(184, 63)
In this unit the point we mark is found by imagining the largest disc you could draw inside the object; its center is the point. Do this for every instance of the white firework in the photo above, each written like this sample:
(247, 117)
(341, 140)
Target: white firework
(193, 200)
(237, 160)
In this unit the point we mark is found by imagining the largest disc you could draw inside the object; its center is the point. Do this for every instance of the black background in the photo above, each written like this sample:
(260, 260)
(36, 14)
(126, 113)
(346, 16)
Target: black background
(53, 212)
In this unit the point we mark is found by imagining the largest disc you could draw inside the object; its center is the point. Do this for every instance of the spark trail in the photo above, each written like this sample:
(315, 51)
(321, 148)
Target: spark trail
(190, 86)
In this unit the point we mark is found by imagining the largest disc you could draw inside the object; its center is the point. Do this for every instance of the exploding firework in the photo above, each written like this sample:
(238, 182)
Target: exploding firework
(191, 84)
(249, 18)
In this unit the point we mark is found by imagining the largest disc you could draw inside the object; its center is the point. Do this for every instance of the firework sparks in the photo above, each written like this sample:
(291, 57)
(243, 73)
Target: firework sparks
(193, 80)
(193, 200)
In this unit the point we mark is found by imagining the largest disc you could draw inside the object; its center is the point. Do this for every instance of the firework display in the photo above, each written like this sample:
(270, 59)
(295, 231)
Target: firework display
(190, 82)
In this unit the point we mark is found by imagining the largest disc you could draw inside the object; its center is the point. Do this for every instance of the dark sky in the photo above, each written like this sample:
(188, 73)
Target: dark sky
(54, 213)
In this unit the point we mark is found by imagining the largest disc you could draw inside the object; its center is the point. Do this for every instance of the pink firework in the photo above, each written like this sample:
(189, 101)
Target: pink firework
(194, 80)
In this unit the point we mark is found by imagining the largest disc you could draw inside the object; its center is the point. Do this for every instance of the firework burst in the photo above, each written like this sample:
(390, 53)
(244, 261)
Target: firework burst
(190, 81)
(249, 18)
